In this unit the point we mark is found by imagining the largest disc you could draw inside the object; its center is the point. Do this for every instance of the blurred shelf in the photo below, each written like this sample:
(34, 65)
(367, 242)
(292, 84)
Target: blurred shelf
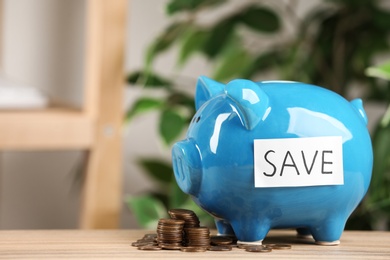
(96, 127)
(43, 129)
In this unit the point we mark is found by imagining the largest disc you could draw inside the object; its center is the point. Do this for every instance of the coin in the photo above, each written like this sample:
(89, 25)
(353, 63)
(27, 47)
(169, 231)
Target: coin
(183, 232)
(146, 240)
(197, 236)
(190, 218)
(258, 249)
(281, 246)
(169, 221)
(150, 247)
(138, 244)
(193, 249)
(221, 240)
(170, 246)
(170, 233)
(181, 212)
(220, 248)
(150, 236)
(243, 246)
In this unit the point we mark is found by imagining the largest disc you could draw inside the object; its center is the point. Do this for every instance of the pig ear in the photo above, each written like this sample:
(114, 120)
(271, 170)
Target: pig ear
(252, 102)
(205, 89)
(358, 105)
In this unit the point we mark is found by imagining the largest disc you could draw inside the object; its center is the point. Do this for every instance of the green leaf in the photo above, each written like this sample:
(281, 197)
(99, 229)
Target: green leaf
(359, 220)
(318, 15)
(164, 41)
(381, 71)
(148, 80)
(177, 197)
(157, 169)
(143, 105)
(381, 18)
(147, 210)
(354, 3)
(261, 19)
(264, 61)
(219, 36)
(192, 42)
(379, 192)
(171, 125)
(182, 99)
(176, 6)
(234, 62)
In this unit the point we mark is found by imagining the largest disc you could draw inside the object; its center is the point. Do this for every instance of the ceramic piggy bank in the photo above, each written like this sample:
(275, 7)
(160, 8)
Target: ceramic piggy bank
(275, 154)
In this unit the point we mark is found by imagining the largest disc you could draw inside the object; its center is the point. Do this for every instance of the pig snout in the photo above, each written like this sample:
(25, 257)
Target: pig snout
(187, 166)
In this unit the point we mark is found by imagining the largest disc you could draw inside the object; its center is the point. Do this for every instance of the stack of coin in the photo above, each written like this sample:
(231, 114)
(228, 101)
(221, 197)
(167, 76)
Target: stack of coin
(190, 218)
(182, 232)
(197, 237)
(170, 233)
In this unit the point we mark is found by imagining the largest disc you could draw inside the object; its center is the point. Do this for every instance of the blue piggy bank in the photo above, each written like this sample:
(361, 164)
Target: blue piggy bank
(275, 154)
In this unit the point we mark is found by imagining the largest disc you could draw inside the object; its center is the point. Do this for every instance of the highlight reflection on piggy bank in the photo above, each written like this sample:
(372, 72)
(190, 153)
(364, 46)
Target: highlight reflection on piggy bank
(275, 154)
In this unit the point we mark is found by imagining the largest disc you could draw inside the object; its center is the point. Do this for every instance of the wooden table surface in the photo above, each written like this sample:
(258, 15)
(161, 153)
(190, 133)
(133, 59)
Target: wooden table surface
(115, 244)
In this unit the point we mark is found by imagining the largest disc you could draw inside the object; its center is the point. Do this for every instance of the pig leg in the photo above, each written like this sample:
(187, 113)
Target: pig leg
(328, 232)
(250, 232)
(224, 228)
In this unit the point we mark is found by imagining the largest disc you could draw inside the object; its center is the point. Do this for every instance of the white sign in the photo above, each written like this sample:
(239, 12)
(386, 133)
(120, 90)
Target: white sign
(294, 162)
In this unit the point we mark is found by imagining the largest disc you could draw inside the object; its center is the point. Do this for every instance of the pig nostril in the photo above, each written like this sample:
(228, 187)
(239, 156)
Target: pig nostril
(182, 169)
(179, 168)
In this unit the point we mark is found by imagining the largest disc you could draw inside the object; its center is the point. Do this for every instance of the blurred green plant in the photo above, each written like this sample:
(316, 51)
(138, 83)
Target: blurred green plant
(332, 46)
(376, 206)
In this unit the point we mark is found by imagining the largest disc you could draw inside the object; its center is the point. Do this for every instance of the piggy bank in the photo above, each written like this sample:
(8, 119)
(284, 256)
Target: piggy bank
(275, 154)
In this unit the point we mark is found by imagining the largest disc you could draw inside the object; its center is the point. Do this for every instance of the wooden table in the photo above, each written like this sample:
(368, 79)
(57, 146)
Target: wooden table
(115, 244)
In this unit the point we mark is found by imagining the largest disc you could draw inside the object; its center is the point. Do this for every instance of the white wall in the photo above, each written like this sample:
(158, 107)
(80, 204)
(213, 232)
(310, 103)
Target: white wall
(43, 46)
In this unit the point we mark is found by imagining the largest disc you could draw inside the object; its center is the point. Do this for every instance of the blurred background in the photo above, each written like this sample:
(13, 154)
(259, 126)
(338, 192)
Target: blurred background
(339, 44)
